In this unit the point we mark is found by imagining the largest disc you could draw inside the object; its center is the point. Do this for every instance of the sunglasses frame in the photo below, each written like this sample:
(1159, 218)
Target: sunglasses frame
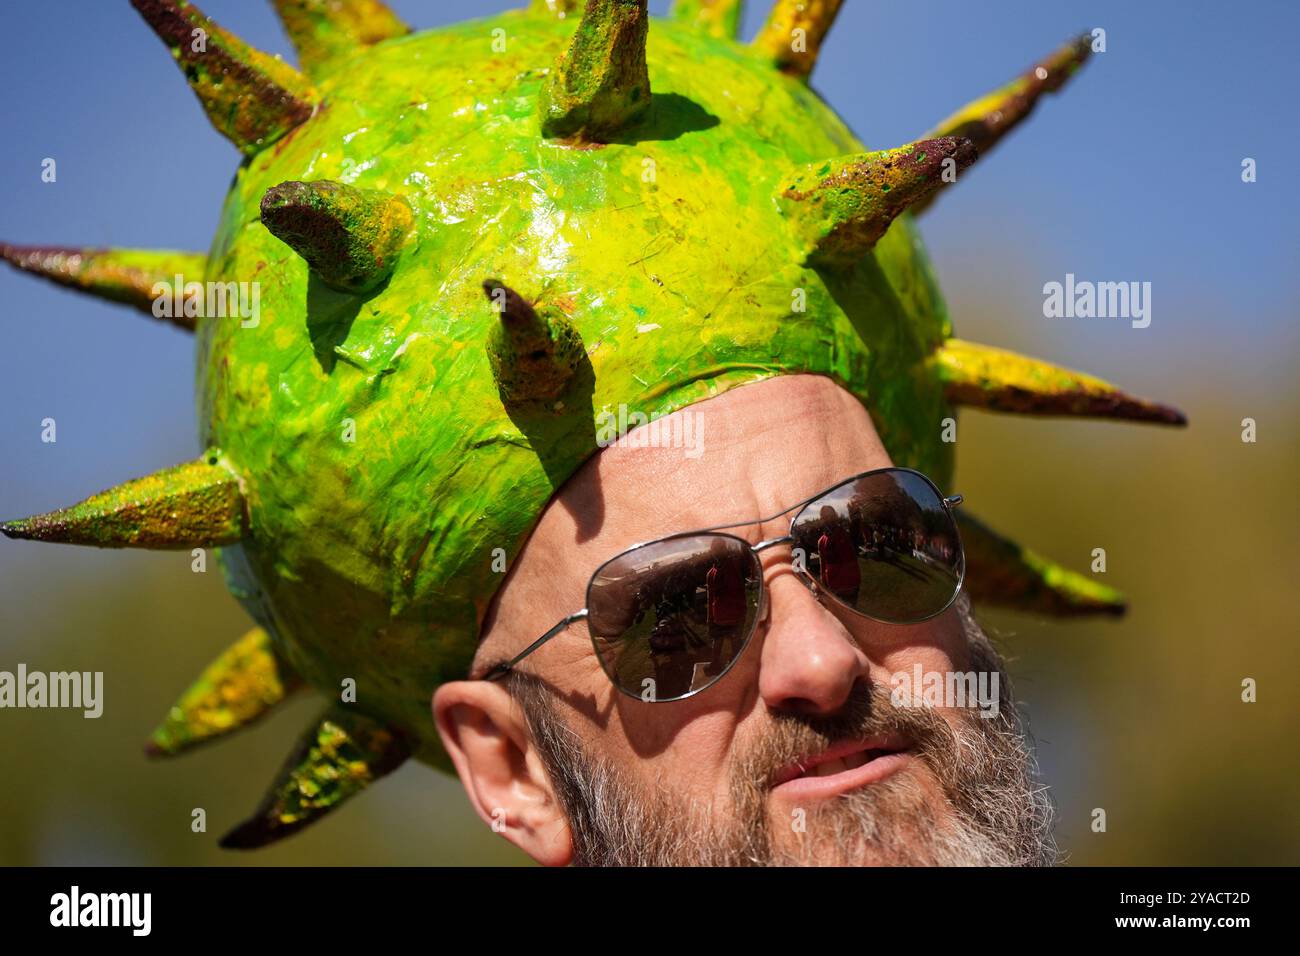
(949, 502)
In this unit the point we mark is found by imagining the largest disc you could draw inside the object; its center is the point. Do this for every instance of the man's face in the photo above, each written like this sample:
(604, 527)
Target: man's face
(798, 754)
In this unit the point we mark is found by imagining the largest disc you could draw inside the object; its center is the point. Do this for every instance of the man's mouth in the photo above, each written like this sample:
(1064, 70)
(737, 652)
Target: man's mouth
(844, 767)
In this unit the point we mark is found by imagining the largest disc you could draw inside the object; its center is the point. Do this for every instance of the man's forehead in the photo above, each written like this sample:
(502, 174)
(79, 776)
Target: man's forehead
(759, 449)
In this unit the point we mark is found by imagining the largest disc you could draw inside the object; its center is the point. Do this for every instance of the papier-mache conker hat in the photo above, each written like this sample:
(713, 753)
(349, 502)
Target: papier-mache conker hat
(468, 245)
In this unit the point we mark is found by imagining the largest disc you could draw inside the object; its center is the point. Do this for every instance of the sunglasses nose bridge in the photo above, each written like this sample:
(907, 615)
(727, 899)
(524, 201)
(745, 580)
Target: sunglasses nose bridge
(772, 543)
(764, 600)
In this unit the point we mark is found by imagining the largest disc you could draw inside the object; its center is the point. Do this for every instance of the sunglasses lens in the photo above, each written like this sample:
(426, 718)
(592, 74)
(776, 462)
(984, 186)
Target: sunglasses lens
(883, 544)
(670, 617)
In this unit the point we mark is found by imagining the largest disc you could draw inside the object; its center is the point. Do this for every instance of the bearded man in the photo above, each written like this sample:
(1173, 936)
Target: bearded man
(793, 752)
(666, 635)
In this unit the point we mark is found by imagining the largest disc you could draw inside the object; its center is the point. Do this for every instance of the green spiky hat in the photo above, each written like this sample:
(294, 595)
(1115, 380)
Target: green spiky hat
(471, 245)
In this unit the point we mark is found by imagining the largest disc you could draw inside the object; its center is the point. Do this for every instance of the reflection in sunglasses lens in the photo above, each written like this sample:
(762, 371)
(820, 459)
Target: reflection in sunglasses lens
(668, 618)
(884, 545)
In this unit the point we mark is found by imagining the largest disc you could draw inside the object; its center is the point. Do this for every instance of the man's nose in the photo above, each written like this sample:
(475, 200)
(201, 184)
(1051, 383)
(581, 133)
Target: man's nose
(809, 660)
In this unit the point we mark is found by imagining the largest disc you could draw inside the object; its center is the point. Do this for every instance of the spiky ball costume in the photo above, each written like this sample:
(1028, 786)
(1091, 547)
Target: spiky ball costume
(473, 242)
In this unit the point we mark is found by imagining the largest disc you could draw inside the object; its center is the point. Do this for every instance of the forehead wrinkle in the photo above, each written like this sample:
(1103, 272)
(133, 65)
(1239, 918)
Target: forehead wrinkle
(752, 437)
(663, 494)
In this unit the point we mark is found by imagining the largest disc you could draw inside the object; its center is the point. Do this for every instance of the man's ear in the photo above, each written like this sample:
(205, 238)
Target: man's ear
(484, 733)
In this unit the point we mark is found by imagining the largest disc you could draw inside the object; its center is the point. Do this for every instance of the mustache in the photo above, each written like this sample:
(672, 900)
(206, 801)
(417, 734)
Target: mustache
(867, 712)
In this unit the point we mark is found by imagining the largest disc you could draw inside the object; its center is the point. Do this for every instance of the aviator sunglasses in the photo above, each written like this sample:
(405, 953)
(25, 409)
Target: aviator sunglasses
(668, 618)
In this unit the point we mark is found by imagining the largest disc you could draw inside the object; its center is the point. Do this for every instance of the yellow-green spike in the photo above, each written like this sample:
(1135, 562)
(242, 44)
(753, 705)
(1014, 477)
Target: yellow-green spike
(1002, 381)
(992, 116)
(337, 758)
(793, 34)
(600, 86)
(251, 98)
(533, 356)
(241, 685)
(351, 238)
(119, 275)
(841, 207)
(198, 504)
(718, 18)
(554, 8)
(325, 31)
(999, 571)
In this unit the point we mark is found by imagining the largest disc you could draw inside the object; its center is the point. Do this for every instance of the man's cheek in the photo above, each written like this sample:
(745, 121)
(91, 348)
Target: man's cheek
(677, 747)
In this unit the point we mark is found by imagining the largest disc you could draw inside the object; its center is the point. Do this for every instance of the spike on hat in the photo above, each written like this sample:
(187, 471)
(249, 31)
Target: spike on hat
(251, 98)
(793, 34)
(327, 32)
(198, 504)
(349, 237)
(128, 276)
(842, 207)
(986, 120)
(1003, 381)
(533, 356)
(600, 86)
(336, 758)
(241, 686)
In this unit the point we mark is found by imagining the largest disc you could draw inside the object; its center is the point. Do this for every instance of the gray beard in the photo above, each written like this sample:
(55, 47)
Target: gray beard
(995, 813)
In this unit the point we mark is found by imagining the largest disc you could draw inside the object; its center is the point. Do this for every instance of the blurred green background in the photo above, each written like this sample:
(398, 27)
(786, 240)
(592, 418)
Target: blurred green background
(1132, 174)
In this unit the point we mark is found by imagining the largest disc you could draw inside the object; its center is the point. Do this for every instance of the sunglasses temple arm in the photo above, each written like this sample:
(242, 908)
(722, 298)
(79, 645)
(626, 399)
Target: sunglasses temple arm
(506, 666)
